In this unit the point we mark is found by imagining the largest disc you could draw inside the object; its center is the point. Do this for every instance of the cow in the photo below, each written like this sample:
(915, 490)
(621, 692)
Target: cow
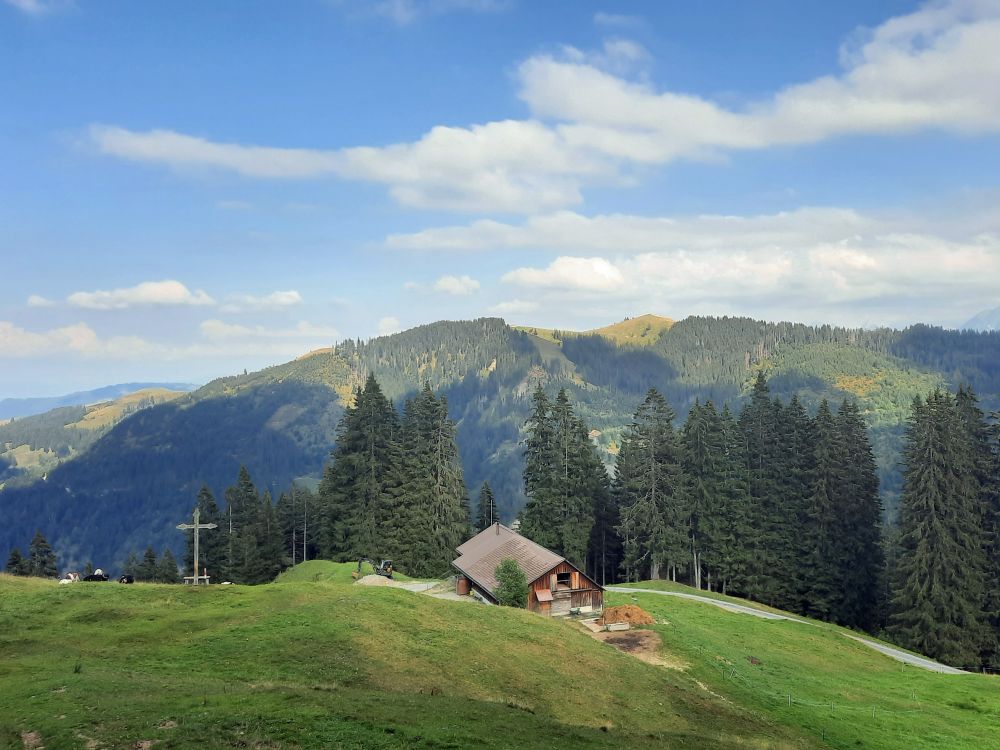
(69, 578)
(97, 575)
(126, 579)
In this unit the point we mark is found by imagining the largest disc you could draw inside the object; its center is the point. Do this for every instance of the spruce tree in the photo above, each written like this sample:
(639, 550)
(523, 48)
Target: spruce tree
(427, 512)
(486, 508)
(356, 482)
(862, 556)
(16, 564)
(759, 424)
(41, 558)
(239, 526)
(271, 553)
(821, 559)
(166, 568)
(735, 536)
(714, 505)
(148, 567)
(648, 482)
(937, 608)
(564, 478)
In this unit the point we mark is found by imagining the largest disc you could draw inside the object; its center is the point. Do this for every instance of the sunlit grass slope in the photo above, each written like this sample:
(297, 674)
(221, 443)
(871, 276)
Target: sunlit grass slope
(643, 330)
(328, 664)
(813, 678)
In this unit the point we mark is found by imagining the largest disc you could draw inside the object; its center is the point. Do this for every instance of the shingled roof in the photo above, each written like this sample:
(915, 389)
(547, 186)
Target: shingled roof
(480, 556)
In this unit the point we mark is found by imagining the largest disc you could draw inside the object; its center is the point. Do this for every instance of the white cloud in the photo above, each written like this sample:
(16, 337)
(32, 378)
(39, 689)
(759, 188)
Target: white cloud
(813, 264)
(566, 272)
(388, 325)
(567, 231)
(37, 300)
(273, 302)
(590, 124)
(458, 285)
(79, 339)
(218, 330)
(510, 165)
(148, 293)
(514, 307)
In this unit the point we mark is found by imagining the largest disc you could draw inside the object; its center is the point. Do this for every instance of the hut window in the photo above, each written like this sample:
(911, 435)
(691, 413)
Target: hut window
(563, 579)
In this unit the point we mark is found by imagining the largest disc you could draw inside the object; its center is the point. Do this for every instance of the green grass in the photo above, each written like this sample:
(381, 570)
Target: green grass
(307, 663)
(813, 678)
(317, 571)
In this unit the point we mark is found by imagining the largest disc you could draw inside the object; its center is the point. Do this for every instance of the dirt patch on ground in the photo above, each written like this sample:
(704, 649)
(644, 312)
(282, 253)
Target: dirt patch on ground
(374, 580)
(629, 613)
(31, 740)
(643, 645)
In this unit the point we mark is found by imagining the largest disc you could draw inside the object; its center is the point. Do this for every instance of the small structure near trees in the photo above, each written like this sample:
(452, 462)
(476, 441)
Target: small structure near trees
(556, 587)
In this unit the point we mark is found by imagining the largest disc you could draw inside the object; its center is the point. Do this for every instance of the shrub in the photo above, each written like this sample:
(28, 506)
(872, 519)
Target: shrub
(512, 586)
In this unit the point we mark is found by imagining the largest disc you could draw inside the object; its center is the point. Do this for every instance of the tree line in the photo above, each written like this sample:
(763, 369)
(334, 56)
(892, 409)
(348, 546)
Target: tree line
(773, 504)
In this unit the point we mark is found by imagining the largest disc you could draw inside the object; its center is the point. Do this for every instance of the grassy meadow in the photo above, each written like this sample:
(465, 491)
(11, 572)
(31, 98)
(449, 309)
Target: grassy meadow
(324, 663)
(314, 661)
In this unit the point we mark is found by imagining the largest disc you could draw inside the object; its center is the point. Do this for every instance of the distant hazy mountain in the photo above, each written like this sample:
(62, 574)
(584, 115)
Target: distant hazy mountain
(25, 407)
(987, 320)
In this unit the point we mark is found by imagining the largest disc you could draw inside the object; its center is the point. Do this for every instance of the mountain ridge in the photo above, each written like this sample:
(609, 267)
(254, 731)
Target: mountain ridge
(130, 487)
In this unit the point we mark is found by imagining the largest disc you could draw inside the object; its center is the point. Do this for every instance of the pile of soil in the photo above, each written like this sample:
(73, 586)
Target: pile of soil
(374, 580)
(629, 613)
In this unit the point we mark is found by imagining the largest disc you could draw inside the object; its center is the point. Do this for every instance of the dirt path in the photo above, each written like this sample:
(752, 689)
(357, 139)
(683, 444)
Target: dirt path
(894, 653)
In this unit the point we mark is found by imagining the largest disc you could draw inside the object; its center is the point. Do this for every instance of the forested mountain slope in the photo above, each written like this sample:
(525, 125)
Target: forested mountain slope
(137, 481)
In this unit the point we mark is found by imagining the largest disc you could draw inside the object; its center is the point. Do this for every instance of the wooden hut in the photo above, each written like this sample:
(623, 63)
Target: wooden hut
(556, 587)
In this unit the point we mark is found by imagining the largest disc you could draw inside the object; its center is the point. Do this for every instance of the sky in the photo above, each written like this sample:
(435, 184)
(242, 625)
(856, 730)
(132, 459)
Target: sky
(191, 189)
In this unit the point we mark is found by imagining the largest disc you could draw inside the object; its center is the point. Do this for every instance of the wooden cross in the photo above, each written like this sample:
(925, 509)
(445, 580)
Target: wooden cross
(196, 579)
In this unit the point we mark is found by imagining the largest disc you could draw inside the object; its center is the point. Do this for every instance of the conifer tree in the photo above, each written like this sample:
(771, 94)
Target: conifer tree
(239, 527)
(271, 553)
(486, 508)
(564, 477)
(862, 556)
(714, 507)
(821, 558)
(16, 564)
(427, 512)
(648, 481)
(356, 482)
(939, 577)
(147, 568)
(733, 555)
(758, 423)
(166, 568)
(41, 558)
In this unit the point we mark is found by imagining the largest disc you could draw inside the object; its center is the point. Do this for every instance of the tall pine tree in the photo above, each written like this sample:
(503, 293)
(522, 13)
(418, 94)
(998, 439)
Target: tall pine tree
(649, 485)
(937, 608)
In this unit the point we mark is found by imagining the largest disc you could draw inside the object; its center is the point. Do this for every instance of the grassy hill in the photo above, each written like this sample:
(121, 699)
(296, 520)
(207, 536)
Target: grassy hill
(332, 665)
(322, 663)
(644, 330)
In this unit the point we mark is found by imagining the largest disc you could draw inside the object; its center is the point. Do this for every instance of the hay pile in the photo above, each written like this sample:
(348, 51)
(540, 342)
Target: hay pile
(629, 613)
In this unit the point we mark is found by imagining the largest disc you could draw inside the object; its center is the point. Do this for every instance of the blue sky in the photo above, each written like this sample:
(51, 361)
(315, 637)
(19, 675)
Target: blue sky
(189, 189)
